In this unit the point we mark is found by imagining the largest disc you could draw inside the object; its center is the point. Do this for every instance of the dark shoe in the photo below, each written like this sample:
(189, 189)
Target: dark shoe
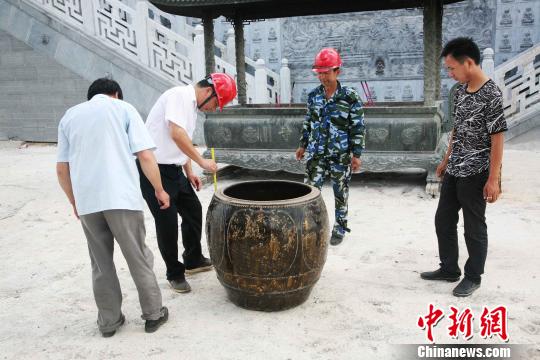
(336, 239)
(465, 288)
(152, 325)
(439, 275)
(204, 265)
(180, 285)
(107, 334)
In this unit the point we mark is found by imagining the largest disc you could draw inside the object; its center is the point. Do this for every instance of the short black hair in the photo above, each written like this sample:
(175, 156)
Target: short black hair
(206, 82)
(104, 86)
(461, 48)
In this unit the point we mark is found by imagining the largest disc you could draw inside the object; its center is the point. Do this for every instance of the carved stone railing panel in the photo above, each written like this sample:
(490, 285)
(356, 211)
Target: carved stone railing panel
(115, 25)
(132, 33)
(519, 80)
(69, 10)
(169, 53)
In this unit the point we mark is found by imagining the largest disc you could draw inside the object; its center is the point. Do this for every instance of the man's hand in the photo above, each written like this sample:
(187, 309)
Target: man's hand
(491, 190)
(355, 164)
(300, 153)
(441, 169)
(75, 211)
(195, 181)
(208, 165)
(163, 199)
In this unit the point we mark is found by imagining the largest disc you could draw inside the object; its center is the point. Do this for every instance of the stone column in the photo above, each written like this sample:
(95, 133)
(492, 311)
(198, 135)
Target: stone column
(261, 92)
(209, 54)
(285, 82)
(240, 60)
(231, 48)
(433, 11)
(199, 70)
(141, 30)
(488, 65)
(89, 15)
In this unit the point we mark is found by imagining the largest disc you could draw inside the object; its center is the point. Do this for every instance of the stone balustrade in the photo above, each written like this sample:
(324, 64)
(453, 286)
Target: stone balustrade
(177, 57)
(518, 79)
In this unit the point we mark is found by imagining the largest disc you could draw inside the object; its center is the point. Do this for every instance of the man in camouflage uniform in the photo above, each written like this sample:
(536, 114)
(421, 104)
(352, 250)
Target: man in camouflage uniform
(333, 134)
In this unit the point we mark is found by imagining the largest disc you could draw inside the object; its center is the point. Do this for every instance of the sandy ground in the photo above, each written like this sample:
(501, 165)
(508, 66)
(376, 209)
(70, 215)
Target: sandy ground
(368, 298)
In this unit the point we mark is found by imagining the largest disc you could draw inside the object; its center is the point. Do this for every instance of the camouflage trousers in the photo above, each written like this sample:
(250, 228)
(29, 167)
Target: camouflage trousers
(339, 171)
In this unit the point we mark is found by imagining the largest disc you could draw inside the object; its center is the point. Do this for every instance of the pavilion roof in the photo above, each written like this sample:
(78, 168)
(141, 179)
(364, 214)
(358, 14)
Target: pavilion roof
(268, 9)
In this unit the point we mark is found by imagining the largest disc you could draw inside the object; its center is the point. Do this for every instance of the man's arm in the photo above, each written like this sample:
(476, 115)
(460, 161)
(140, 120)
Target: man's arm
(184, 143)
(496, 125)
(357, 132)
(187, 168)
(444, 163)
(62, 172)
(492, 189)
(151, 171)
(194, 180)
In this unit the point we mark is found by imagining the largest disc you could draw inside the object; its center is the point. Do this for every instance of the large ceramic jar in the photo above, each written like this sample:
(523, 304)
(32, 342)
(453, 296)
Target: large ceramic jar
(268, 242)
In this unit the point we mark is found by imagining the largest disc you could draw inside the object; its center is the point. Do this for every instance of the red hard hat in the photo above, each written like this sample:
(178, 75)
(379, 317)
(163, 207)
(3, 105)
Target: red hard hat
(327, 59)
(225, 88)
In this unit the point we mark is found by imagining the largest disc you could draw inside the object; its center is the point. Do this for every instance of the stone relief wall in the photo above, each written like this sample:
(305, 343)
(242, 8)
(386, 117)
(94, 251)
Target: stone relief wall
(384, 48)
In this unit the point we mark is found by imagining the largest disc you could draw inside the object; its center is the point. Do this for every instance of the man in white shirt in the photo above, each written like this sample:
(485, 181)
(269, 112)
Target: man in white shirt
(96, 169)
(171, 124)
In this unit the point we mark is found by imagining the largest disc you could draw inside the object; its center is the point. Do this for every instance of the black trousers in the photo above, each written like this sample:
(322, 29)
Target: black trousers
(466, 194)
(184, 202)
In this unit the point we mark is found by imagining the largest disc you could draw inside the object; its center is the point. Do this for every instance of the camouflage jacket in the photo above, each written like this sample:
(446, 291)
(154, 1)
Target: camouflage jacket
(333, 127)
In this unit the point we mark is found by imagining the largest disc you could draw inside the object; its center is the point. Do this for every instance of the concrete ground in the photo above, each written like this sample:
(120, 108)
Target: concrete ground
(366, 304)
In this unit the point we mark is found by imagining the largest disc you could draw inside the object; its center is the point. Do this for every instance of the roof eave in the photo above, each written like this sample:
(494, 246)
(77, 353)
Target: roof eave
(268, 9)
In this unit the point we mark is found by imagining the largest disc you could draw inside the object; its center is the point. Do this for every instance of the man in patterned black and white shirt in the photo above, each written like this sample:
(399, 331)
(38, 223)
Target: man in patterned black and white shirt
(470, 168)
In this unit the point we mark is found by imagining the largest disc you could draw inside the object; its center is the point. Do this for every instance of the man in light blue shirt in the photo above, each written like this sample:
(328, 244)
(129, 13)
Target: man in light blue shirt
(96, 169)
